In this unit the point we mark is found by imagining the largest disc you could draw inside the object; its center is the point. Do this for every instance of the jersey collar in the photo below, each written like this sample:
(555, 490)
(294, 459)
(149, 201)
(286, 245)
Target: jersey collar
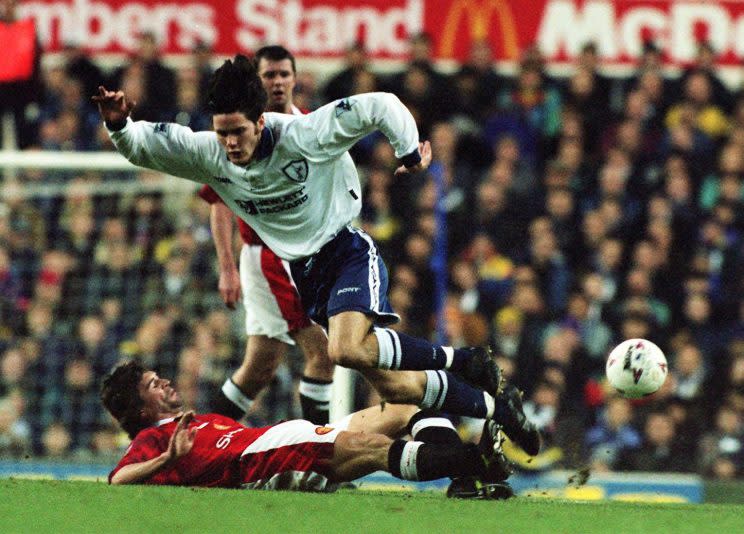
(167, 420)
(265, 144)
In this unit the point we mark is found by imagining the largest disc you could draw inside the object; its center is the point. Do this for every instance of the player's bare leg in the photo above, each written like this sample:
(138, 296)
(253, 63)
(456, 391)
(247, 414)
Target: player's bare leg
(262, 357)
(317, 377)
(390, 420)
(350, 343)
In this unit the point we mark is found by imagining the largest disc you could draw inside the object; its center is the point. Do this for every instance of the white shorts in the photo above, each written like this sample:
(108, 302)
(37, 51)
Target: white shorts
(293, 455)
(272, 303)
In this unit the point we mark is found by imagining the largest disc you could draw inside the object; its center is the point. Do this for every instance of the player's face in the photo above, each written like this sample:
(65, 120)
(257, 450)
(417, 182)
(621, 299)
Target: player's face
(279, 80)
(158, 395)
(238, 135)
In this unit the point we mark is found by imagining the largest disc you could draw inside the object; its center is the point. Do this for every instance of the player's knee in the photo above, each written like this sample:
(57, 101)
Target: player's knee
(346, 353)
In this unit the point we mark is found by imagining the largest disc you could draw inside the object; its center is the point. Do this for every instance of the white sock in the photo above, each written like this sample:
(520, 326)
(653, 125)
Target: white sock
(389, 348)
(320, 393)
(236, 396)
(408, 460)
(450, 353)
(436, 389)
(490, 405)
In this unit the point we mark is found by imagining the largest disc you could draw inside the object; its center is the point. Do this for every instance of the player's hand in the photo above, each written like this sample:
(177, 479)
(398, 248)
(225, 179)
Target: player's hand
(183, 437)
(229, 287)
(425, 151)
(113, 106)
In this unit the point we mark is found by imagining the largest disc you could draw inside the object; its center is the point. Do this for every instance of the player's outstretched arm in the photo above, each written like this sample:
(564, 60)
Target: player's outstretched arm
(180, 444)
(113, 107)
(338, 125)
(166, 147)
(422, 165)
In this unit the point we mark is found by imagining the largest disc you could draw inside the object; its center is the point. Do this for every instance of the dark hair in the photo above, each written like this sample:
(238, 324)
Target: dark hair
(120, 395)
(236, 87)
(274, 53)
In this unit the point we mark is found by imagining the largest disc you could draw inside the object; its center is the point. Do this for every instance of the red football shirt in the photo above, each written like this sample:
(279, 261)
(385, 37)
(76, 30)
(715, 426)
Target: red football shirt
(214, 460)
(250, 237)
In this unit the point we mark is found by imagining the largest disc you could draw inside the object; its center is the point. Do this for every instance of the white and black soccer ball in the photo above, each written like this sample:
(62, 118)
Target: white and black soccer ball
(636, 368)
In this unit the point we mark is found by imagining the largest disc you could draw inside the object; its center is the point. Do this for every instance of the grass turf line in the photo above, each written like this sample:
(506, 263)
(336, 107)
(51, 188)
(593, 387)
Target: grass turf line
(66, 506)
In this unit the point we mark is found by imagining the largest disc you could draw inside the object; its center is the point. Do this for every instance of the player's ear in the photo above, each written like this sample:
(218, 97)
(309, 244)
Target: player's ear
(261, 122)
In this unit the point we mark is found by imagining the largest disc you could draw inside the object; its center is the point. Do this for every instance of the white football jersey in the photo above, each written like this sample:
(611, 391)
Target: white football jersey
(301, 187)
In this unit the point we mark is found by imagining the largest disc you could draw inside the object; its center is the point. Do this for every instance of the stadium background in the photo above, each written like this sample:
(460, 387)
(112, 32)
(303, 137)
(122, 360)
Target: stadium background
(589, 159)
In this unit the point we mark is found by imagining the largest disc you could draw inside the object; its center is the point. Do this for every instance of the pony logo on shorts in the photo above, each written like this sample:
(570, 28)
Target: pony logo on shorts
(321, 430)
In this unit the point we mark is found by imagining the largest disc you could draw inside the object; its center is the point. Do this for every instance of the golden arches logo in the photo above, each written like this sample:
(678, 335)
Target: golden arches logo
(478, 14)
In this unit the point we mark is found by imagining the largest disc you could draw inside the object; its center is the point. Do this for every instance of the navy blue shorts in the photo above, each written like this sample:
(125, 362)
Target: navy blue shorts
(347, 274)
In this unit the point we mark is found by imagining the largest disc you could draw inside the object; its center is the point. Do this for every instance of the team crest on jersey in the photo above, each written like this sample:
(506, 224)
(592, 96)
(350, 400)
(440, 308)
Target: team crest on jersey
(343, 106)
(321, 430)
(161, 128)
(296, 170)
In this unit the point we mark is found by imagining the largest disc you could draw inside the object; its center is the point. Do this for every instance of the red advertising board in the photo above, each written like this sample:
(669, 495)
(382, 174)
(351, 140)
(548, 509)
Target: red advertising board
(324, 28)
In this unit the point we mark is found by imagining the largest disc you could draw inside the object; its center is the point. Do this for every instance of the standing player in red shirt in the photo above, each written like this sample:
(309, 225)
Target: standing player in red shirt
(275, 317)
(175, 447)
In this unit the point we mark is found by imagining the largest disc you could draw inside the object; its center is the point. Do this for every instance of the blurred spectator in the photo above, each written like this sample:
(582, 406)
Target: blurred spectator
(612, 433)
(688, 372)
(14, 433)
(57, 442)
(148, 82)
(528, 112)
(705, 63)
(80, 67)
(698, 107)
(659, 451)
(343, 83)
(722, 449)
(20, 80)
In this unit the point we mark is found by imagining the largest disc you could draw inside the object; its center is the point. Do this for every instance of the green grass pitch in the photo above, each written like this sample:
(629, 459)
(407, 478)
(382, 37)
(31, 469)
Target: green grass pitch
(67, 506)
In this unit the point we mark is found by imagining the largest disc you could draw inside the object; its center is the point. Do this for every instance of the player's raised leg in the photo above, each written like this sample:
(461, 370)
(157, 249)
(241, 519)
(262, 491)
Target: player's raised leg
(344, 286)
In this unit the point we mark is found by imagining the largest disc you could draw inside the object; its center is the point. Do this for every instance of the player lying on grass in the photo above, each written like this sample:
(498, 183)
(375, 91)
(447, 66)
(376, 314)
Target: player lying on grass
(292, 179)
(171, 446)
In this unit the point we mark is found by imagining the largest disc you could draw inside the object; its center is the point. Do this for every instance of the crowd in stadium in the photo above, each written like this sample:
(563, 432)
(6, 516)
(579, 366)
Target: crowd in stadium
(581, 210)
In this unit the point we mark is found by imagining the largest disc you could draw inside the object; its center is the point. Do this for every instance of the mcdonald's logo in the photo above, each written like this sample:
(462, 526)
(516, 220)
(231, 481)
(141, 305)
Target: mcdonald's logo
(478, 14)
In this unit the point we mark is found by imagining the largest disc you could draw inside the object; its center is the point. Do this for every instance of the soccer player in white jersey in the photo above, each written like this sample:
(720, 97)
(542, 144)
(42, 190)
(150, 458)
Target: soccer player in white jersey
(292, 179)
(274, 316)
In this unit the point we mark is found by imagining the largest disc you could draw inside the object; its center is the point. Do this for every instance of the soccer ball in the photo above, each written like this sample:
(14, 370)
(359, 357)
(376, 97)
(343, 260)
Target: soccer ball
(636, 368)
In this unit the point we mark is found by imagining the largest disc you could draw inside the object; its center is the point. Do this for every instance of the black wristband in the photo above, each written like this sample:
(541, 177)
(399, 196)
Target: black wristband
(411, 160)
(116, 126)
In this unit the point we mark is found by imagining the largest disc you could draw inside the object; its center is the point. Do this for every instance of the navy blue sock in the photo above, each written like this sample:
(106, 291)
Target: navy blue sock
(447, 393)
(459, 358)
(404, 352)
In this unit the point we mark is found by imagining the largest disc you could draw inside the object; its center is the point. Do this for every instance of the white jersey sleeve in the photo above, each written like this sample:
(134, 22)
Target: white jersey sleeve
(340, 124)
(167, 147)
